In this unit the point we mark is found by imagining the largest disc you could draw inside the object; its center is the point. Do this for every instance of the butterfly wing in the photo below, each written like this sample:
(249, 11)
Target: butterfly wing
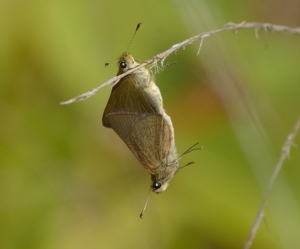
(150, 138)
(126, 96)
(140, 123)
(153, 137)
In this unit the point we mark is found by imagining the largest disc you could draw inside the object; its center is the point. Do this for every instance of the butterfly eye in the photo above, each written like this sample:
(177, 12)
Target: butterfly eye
(156, 185)
(123, 64)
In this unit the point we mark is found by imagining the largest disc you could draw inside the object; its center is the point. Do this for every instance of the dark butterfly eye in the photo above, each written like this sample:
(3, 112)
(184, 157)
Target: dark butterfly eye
(156, 185)
(123, 64)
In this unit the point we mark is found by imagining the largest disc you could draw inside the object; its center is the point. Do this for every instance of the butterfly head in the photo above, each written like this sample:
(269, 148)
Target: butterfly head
(126, 62)
(158, 187)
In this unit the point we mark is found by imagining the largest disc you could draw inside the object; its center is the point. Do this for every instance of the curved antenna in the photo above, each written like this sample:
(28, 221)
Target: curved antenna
(143, 211)
(137, 27)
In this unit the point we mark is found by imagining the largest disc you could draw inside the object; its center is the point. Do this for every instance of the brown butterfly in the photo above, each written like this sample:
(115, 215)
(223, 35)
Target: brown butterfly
(135, 112)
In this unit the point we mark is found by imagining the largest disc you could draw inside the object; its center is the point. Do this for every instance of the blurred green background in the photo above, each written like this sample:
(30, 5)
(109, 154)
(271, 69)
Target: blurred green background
(68, 182)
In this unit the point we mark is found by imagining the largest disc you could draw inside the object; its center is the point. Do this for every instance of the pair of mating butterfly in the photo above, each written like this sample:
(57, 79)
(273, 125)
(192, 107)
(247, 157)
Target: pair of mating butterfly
(135, 112)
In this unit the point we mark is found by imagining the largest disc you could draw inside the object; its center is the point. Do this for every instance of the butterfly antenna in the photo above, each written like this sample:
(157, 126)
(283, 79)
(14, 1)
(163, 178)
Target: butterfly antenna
(137, 27)
(143, 211)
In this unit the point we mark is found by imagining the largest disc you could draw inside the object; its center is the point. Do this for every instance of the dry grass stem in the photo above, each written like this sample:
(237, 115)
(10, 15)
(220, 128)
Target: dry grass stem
(162, 56)
(285, 152)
